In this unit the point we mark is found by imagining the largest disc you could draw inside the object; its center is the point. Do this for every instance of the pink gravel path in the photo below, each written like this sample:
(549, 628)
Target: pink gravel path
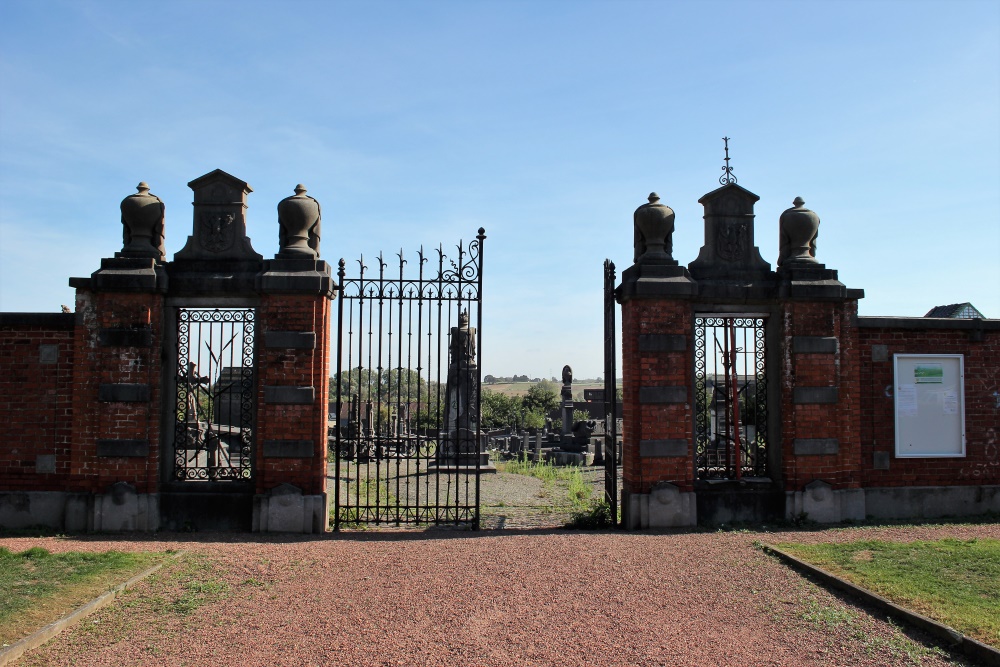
(490, 598)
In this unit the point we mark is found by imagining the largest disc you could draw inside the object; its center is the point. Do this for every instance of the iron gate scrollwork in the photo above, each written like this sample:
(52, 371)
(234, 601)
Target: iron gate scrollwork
(214, 395)
(730, 397)
(406, 433)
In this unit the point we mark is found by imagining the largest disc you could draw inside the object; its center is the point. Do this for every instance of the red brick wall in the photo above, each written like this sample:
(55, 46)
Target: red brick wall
(35, 401)
(97, 364)
(829, 420)
(655, 369)
(981, 464)
(293, 367)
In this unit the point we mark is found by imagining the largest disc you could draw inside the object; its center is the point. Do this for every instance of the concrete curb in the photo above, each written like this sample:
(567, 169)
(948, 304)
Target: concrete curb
(36, 639)
(947, 635)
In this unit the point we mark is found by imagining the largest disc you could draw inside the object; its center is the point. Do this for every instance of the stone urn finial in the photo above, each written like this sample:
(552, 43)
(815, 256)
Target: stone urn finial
(299, 226)
(798, 229)
(654, 229)
(142, 222)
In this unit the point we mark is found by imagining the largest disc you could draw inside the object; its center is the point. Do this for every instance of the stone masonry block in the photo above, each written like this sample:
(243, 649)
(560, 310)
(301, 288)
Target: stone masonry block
(816, 446)
(118, 337)
(130, 448)
(670, 507)
(282, 395)
(814, 345)
(880, 353)
(648, 395)
(289, 449)
(814, 395)
(663, 448)
(45, 463)
(662, 343)
(296, 340)
(48, 354)
(123, 393)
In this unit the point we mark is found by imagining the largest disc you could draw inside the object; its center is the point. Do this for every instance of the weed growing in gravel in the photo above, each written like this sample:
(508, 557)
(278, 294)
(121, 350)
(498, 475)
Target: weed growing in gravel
(596, 515)
(577, 490)
(898, 645)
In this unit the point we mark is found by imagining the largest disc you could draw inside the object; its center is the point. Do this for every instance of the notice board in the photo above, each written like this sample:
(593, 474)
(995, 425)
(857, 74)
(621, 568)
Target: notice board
(929, 393)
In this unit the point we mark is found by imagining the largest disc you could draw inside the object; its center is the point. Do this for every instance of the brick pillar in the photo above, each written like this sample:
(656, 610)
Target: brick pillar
(294, 372)
(657, 456)
(820, 397)
(114, 459)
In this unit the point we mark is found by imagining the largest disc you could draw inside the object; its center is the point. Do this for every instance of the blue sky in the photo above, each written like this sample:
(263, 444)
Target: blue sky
(547, 123)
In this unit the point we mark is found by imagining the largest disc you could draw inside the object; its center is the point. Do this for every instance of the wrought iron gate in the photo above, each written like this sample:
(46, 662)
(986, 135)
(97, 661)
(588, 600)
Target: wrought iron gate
(407, 438)
(610, 392)
(214, 395)
(730, 397)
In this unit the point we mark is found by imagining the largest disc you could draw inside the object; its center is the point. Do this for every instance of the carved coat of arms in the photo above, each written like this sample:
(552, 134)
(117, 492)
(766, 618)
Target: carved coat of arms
(732, 239)
(217, 231)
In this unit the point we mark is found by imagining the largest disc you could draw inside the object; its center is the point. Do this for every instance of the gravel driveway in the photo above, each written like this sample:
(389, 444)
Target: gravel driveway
(439, 597)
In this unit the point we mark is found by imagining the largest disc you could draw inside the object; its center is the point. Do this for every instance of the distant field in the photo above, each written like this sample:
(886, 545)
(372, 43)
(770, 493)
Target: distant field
(521, 388)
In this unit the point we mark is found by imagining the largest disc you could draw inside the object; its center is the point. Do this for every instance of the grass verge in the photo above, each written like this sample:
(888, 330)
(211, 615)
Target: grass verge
(955, 582)
(38, 587)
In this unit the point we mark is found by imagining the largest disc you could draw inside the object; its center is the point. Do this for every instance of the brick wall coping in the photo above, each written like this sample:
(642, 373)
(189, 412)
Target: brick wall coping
(926, 323)
(47, 320)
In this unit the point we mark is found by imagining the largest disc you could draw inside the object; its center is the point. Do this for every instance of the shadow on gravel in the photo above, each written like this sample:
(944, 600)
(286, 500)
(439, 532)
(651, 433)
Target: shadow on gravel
(394, 534)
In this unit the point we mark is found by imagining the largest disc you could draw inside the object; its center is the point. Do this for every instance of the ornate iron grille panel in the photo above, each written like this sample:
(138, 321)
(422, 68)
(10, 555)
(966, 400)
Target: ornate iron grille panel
(215, 395)
(731, 397)
(407, 439)
(610, 387)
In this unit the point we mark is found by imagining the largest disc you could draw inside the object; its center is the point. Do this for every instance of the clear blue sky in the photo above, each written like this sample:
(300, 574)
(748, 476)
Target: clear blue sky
(547, 123)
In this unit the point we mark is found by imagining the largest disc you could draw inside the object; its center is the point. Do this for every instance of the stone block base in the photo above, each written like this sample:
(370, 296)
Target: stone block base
(285, 509)
(821, 503)
(666, 506)
(121, 509)
(931, 502)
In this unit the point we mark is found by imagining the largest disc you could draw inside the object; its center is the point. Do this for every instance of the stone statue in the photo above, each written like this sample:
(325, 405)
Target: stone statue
(798, 228)
(142, 222)
(567, 375)
(298, 226)
(654, 229)
(463, 342)
(459, 445)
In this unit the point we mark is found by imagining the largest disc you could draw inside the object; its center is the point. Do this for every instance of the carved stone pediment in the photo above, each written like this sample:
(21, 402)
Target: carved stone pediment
(729, 252)
(220, 230)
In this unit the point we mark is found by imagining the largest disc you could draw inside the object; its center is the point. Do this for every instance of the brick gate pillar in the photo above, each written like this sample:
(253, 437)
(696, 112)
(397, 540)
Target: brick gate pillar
(655, 295)
(114, 470)
(820, 395)
(296, 291)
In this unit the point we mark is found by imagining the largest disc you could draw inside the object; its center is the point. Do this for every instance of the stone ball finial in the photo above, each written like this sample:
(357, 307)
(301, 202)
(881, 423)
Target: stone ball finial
(142, 224)
(654, 229)
(298, 226)
(798, 228)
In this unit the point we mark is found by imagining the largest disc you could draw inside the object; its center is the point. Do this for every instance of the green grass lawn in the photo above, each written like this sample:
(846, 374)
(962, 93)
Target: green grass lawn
(955, 582)
(38, 587)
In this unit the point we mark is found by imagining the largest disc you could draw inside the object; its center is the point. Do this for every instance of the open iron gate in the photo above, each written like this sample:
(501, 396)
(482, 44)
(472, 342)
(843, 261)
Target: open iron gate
(610, 392)
(407, 437)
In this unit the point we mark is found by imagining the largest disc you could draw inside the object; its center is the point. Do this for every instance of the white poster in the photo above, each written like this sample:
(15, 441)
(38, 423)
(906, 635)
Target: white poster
(930, 405)
(950, 405)
(906, 400)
